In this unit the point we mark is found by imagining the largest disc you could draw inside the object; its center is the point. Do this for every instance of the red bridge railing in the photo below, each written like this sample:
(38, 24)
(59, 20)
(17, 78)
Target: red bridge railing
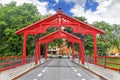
(106, 62)
(109, 62)
(89, 59)
(12, 62)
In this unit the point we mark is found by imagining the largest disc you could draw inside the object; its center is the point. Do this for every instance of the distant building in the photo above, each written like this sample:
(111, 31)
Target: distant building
(53, 50)
(62, 50)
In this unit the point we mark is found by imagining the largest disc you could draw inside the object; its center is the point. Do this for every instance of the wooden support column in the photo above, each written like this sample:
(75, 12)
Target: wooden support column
(72, 51)
(37, 53)
(82, 52)
(24, 48)
(59, 23)
(46, 53)
(79, 52)
(95, 49)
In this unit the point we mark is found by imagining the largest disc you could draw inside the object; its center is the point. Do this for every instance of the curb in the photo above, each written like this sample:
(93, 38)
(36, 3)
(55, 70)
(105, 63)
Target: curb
(101, 77)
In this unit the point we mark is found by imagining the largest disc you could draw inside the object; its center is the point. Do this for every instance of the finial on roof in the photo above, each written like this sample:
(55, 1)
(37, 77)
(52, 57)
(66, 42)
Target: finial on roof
(59, 10)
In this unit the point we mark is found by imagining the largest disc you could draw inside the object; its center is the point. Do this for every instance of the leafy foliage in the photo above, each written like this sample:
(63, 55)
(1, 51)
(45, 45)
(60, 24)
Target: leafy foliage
(89, 45)
(109, 39)
(82, 18)
(13, 18)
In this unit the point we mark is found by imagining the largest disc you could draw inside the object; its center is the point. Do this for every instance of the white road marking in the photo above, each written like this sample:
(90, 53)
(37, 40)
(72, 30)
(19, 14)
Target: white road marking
(35, 79)
(68, 63)
(43, 70)
(79, 74)
(46, 67)
(75, 70)
(40, 74)
(50, 63)
(83, 79)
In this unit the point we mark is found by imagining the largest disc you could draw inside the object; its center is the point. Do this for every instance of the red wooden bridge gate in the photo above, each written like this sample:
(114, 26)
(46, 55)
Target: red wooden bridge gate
(60, 20)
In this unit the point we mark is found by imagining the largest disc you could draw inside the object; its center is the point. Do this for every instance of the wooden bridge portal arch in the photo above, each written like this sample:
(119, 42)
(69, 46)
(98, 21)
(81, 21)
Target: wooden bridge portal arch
(58, 20)
(59, 34)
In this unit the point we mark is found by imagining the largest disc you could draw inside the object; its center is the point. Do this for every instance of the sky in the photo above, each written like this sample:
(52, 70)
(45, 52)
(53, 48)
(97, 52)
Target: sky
(93, 10)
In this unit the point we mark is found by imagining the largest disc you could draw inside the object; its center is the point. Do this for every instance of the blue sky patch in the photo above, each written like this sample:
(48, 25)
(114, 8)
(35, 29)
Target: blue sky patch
(66, 7)
(91, 5)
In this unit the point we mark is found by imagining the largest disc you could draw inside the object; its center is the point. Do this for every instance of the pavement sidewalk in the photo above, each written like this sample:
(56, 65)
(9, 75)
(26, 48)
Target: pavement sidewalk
(12, 73)
(107, 73)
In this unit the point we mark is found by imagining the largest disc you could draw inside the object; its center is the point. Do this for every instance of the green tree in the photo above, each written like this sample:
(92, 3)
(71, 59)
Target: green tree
(12, 18)
(82, 18)
(116, 36)
(105, 41)
(89, 45)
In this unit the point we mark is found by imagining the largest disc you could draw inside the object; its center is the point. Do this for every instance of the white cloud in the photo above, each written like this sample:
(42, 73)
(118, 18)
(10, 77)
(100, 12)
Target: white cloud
(107, 11)
(41, 6)
(51, 11)
(57, 1)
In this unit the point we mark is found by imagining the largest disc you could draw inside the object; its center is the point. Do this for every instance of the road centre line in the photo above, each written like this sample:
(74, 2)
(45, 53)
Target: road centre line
(46, 67)
(83, 79)
(79, 74)
(75, 70)
(68, 63)
(50, 63)
(40, 74)
(43, 70)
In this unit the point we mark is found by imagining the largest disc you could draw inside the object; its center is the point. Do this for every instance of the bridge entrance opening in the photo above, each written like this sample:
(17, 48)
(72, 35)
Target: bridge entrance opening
(59, 34)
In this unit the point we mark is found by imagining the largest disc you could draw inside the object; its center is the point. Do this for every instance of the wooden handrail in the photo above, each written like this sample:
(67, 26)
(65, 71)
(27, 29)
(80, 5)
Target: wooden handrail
(10, 62)
(108, 57)
(2, 58)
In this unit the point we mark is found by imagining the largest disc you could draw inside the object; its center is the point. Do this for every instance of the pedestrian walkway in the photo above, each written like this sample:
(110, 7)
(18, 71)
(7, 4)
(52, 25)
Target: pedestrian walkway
(12, 73)
(107, 73)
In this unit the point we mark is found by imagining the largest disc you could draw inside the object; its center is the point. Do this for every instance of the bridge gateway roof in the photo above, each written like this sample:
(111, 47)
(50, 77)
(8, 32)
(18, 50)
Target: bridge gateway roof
(65, 21)
(59, 34)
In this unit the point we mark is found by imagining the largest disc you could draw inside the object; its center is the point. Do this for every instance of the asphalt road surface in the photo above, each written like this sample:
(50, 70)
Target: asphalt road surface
(59, 69)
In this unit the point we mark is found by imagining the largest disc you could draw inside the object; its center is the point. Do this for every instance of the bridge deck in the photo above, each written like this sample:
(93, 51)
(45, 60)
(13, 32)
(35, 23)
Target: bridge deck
(59, 69)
